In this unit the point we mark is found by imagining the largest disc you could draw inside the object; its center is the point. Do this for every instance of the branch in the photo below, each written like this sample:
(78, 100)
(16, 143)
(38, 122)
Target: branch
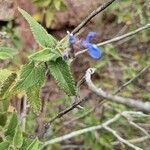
(133, 79)
(137, 140)
(93, 14)
(93, 128)
(62, 113)
(138, 104)
(121, 139)
(129, 119)
(118, 38)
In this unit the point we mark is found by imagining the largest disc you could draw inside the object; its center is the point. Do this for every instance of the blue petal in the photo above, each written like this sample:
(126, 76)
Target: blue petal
(90, 36)
(72, 39)
(93, 51)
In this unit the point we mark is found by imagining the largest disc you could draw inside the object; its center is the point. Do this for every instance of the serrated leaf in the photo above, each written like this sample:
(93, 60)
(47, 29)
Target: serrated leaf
(5, 87)
(30, 75)
(18, 137)
(33, 95)
(12, 125)
(34, 145)
(7, 53)
(4, 145)
(44, 55)
(40, 34)
(62, 74)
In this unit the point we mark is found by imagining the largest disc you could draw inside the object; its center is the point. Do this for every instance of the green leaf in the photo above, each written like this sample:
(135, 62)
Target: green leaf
(33, 94)
(4, 73)
(44, 55)
(7, 53)
(57, 4)
(18, 137)
(26, 143)
(5, 87)
(4, 145)
(62, 74)
(34, 145)
(12, 125)
(3, 119)
(49, 17)
(31, 74)
(40, 34)
(42, 3)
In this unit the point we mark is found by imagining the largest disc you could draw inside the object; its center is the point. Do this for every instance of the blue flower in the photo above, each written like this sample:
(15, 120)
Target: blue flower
(72, 39)
(93, 50)
(90, 37)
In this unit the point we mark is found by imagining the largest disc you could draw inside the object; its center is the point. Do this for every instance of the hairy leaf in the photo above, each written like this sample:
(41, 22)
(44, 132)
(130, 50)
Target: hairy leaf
(44, 55)
(30, 75)
(18, 137)
(7, 84)
(7, 53)
(62, 74)
(40, 34)
(33, 94)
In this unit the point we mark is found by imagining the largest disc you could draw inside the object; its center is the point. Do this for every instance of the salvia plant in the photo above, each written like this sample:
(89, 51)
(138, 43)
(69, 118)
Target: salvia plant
(51, 59)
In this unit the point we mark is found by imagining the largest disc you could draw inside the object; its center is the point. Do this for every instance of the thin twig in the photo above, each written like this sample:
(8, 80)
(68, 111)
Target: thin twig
(59, 115)
(118, 38)
(89, 129)
(133, 79)
(80, 117)
(93, 14)
(121, 139)
(134, 141)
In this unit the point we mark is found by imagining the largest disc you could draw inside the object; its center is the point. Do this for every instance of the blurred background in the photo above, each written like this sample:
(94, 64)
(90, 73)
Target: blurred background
(121, 61)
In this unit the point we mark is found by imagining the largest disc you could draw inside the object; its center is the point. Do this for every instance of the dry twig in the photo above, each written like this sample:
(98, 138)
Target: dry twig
(93, 14)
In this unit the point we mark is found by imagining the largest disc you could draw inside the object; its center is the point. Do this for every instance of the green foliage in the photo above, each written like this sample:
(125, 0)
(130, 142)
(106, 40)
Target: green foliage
(34, 145)
(4, 73)
(12, 125)
(61, 73)
(18, 138)
(4, 145)
(44, 55)
(40, 34)
(51, 7)
(42, 3)
(31, 74)
(7, 53)
(5, 87)
(31, 80)
(3, 118)
(33, 94)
